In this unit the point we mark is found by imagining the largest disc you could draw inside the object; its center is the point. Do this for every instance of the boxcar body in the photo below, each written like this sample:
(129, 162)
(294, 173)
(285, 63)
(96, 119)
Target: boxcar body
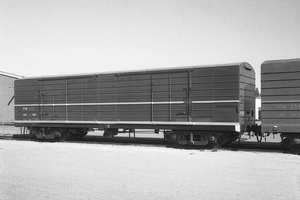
(198, 103)
(280, 84)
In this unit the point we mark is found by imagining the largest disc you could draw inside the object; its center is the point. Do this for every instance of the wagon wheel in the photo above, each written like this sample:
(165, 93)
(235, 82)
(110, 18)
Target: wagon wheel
(63, 136)
(259, 137)
(286, 142)
(78, 136)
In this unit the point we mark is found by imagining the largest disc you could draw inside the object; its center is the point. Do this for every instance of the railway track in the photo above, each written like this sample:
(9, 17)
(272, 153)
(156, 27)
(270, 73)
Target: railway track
(235, 146)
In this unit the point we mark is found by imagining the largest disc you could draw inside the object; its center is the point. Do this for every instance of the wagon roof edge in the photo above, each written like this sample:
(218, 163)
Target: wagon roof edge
(281, 60)
(137, 71)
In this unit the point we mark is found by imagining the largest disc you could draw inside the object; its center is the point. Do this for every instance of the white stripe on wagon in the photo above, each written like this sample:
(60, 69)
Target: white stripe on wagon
(126, 103)
(128, 122)
(225, 101)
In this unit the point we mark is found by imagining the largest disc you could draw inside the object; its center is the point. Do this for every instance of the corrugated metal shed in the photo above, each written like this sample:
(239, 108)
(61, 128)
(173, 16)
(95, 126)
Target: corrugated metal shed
(6, 95)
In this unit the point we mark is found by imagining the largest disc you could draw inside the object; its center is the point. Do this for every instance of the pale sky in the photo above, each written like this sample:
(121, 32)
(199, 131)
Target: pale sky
(55, 37)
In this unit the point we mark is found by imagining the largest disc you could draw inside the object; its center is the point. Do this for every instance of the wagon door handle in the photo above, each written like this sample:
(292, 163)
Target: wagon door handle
(188, 99)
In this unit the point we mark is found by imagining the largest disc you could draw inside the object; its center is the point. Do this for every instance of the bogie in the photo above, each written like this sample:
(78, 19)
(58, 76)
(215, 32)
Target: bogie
(57, 134)
(187, 138)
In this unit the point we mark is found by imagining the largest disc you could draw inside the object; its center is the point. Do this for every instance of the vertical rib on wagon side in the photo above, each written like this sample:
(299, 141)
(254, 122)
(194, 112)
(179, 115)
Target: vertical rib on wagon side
(191, 105)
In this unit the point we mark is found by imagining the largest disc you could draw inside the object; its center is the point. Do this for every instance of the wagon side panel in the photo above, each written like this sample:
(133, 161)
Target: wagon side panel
(281, 96)
(215, 93)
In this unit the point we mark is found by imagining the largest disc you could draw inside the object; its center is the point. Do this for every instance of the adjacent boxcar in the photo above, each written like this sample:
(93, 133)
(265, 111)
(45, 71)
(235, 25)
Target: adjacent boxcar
(281, 99)
(191, 105)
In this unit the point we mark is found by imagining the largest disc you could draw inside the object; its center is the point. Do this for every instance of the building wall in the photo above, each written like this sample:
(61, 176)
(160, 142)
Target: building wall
(6, 94)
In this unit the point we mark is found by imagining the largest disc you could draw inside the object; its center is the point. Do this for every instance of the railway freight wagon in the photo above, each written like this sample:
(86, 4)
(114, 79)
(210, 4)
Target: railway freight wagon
(280, 84)
(191, 105)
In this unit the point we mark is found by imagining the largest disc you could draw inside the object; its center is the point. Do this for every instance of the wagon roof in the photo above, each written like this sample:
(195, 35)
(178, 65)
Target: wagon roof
(143, 70)
(281, 61)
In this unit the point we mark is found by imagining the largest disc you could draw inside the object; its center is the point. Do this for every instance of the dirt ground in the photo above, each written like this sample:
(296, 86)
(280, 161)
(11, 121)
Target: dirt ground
(33, 170)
